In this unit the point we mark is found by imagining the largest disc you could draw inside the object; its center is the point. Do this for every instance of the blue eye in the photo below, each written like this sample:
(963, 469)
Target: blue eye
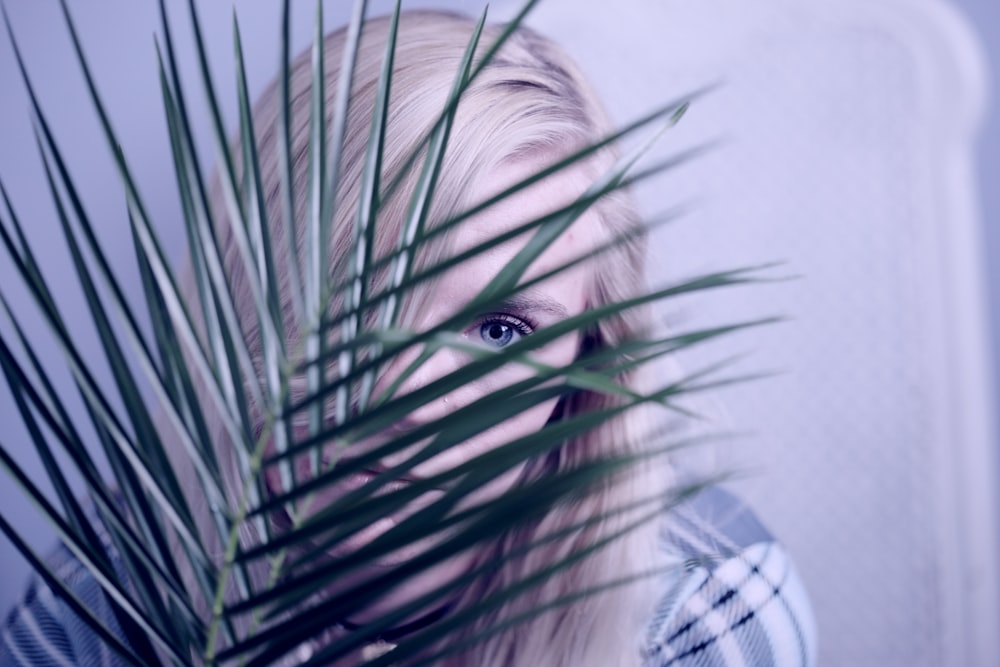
(501, 330)
(497, 334)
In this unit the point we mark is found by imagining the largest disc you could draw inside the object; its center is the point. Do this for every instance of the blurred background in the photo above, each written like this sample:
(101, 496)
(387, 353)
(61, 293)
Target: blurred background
(858, 144)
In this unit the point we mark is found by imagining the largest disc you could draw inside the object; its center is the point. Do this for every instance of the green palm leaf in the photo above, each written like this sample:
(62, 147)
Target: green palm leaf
(183, 589)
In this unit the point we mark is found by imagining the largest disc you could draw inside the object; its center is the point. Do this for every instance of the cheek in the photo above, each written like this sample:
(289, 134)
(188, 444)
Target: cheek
(526, 423)
(557, 354)
(530, 421)
(560, 352)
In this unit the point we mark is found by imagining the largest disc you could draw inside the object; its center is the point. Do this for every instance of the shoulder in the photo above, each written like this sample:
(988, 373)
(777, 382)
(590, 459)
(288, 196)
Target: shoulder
(738, 599)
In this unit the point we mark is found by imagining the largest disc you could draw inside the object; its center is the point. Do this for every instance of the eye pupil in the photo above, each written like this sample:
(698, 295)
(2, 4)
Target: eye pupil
(497, 334)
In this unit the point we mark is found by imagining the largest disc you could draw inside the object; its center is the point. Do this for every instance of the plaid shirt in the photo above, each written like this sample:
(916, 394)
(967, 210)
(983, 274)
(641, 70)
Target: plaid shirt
(42, 630)
(737, 601)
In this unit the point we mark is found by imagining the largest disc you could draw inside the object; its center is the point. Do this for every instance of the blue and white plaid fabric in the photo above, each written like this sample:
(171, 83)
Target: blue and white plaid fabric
(42, 631)
(737, 602)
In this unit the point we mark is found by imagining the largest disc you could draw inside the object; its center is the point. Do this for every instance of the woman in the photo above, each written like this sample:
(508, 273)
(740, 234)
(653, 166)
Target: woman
(736, 602)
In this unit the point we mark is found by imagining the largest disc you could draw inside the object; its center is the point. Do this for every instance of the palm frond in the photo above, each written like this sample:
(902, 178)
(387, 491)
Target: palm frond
(184, 376)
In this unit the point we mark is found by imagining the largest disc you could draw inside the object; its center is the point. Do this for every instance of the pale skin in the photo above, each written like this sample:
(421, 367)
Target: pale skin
(561, 296)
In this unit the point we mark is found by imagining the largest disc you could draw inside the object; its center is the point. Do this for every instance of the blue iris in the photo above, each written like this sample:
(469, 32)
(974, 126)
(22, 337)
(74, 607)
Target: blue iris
(497, 334)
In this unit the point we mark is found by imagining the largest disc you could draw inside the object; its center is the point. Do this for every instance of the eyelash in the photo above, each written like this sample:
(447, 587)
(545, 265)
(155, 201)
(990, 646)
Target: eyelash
(521, 325)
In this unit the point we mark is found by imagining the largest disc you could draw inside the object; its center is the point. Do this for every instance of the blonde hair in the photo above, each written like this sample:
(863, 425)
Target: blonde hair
(530, 101)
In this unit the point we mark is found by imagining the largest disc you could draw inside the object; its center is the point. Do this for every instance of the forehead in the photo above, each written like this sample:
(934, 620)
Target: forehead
(535, 201)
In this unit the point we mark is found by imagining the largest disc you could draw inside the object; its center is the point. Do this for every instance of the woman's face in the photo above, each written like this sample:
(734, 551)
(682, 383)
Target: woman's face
(550, 301)
(532, 309)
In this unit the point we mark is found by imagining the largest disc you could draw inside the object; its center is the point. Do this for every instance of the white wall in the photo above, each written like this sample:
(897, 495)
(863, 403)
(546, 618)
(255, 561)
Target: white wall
(850, 153)
(984, 17)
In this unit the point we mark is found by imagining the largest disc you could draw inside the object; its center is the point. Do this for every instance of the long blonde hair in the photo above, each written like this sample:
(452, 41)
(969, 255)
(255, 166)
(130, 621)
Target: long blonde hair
(529, 101)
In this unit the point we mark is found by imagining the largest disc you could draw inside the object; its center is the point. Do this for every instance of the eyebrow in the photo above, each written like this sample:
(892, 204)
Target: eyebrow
(533, 300)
